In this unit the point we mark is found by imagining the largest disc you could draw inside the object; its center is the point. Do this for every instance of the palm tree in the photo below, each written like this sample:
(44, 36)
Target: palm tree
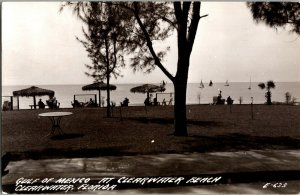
(270, 84)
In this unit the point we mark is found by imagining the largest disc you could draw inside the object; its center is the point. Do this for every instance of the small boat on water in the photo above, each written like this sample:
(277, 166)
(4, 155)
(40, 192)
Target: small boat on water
(226, 83)
(250, 84)
(210, 83)
(201, 85)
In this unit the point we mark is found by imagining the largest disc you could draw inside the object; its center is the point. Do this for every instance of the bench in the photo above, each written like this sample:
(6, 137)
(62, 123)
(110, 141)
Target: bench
(32, 106)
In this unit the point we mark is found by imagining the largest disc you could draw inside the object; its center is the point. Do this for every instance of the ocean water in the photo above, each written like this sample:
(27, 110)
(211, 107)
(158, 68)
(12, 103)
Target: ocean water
(195, 95)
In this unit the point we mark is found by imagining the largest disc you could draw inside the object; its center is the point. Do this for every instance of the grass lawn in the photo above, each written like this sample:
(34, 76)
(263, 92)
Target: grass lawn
(89, 133)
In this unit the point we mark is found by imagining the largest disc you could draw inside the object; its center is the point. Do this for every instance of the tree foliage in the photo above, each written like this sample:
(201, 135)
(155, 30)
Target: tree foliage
(184, 18)
(270, 84)
(149, 23)
(105, 39)
(277, 14)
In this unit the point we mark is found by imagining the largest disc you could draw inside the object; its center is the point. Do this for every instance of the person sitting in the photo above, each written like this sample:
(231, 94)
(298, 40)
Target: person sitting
(229, 100)
(219, 99)
(76, 104)
(55, 103)
(164, 103)
(125, 102)
(41, 104)
(52, 102)
(6, 106)
(91, 103)
(147, 102)
(113, 104)
(49, 102)
(155, 102)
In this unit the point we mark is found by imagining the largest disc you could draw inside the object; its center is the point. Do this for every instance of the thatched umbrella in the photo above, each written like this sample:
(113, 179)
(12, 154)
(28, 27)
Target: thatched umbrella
(33, 91)
(98, 86)
(147, 88)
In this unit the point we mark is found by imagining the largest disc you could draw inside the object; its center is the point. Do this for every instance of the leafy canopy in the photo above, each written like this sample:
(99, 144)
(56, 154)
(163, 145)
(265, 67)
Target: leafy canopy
(277, 14)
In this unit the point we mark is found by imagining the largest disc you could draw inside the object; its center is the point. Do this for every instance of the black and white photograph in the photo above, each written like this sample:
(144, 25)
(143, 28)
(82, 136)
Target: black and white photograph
(150, 97)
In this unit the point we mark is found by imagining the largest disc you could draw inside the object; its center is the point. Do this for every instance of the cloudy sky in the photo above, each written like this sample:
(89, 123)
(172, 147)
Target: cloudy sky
(39, 47)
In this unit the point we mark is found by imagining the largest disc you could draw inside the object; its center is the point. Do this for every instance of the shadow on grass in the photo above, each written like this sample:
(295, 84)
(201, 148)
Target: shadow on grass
(53, 153)
(67, 136)
(171, 121)
(219, 143)
(239, 142)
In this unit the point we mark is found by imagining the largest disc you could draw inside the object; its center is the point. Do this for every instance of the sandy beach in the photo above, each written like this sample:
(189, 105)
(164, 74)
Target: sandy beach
(136, 130)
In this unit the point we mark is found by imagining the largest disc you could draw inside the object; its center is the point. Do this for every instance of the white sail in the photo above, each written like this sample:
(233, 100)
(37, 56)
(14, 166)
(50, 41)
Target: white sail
(226, 84)
(250, 84)
(201, 85)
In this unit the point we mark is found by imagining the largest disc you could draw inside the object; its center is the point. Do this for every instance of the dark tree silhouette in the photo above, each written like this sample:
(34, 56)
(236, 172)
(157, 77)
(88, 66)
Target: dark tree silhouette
(152, 21)
(270, 84)
(184, 18)
(105, 39)
(277, 14)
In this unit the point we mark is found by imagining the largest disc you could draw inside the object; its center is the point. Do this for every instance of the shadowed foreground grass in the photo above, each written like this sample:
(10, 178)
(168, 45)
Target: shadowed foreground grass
(137, 130)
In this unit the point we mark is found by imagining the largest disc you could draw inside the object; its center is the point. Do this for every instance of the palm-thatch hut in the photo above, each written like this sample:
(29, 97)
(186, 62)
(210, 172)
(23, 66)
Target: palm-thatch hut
(98, 86)
(33, 91)
(148, 88)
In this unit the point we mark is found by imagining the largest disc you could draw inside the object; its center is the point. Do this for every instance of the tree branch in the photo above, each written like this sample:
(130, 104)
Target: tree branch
(178, 11)
(194, 25)
(149, 43)
(204, 16)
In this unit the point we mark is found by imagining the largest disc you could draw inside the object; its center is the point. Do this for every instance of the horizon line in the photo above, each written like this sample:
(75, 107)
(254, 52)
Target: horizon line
(6, 85)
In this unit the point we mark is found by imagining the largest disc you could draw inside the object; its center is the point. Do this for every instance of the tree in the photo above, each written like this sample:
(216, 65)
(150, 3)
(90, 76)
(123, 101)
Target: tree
(155, 21)
(184, 19)
(277, 14)
(270, 84)
(105, 39)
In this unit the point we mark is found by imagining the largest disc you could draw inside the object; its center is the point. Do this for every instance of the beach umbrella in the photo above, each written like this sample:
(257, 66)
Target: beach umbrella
(98, 86)
(33, 91)
(148, 88)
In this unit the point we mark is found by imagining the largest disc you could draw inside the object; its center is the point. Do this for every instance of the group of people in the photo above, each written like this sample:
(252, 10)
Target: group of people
(52, 103)
(229, 101)
(90, 103)
(125, 102)
(149, 102)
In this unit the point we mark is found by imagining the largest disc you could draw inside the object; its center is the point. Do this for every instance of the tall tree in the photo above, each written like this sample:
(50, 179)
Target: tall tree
(184, 18)
(277, 14)
(155, 21)
(104, 40)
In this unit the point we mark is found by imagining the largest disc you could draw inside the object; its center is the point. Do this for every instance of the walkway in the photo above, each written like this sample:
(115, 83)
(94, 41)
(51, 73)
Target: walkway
(236, 169)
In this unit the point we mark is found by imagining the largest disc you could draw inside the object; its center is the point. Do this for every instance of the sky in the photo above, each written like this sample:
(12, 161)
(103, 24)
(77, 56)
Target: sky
(39, 48)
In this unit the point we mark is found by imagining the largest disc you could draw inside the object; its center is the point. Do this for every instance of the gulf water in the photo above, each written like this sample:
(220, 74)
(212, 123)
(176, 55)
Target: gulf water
(195, 95)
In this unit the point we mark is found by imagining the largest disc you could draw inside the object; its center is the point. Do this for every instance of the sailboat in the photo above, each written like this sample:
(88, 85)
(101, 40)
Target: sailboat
(210, 83)
(250, 84)
(226, 84)
(201, 85)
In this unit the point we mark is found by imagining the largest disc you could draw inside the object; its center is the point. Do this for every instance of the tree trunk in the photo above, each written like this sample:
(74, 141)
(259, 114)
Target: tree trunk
(108, 99)
(268, 96)
(107, 78)
(180, 123)
(180, 87)
(99, 98)
(34, 102)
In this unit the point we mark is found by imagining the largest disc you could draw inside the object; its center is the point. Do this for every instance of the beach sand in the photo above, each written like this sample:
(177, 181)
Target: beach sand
(89, 133)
